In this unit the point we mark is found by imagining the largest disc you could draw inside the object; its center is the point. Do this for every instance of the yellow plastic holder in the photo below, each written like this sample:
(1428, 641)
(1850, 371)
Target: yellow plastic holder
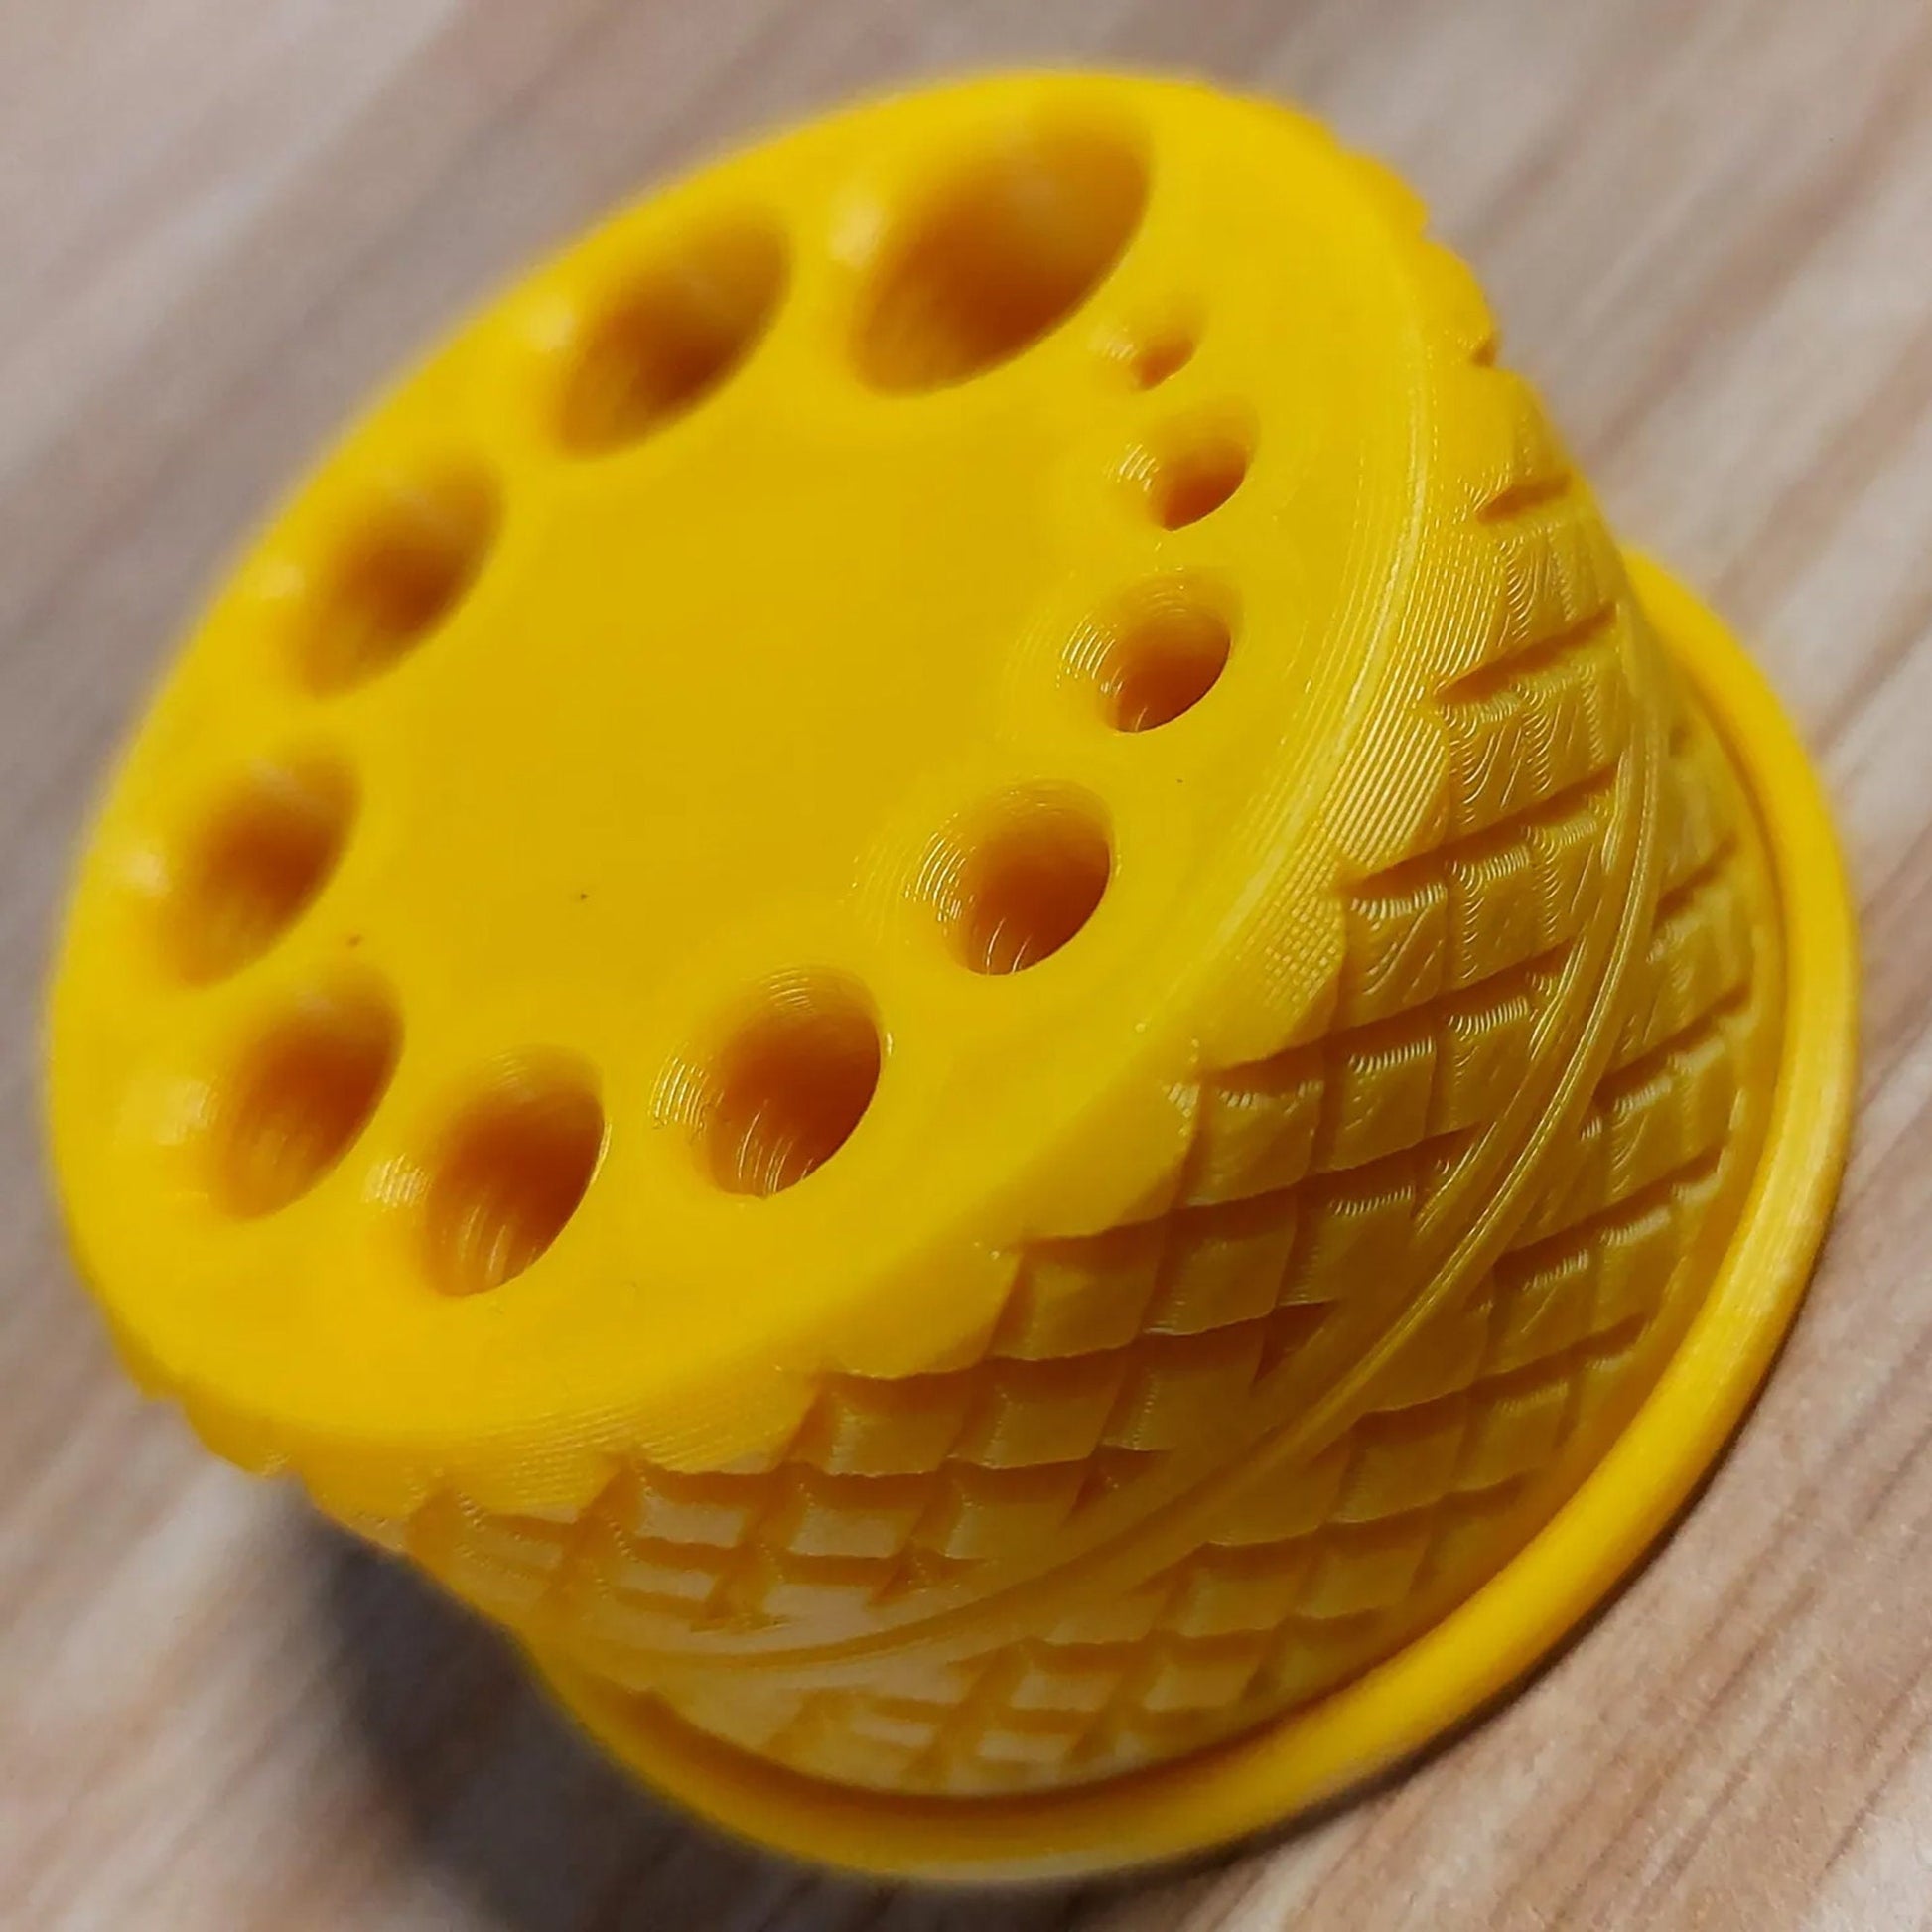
(943, 966)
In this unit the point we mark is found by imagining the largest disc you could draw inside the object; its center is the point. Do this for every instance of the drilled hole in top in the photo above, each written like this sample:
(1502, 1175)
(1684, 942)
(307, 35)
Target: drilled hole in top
(248, 871)
(1002, 253)
(1015, 880)
(790, 1085)
(508, 1175)
(1161, 356)
(1193, 471)
(1157, 652)
(400, 566)
(672, 335)
(297, 1097)
(1154, 354)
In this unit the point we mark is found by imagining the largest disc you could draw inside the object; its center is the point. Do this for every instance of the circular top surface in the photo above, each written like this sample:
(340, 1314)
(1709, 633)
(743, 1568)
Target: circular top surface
(725, 802)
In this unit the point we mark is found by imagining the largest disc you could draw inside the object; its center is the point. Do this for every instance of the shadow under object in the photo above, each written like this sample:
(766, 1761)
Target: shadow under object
(540, 1829)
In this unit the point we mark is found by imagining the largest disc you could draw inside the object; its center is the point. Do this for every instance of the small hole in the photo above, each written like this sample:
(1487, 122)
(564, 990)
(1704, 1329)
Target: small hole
(670, 337)
(1017, 881)
(1000, 254)
(297, 1098)
(254, 867)
(1157, 653)
(397, 574)
(790, 1088)
(509, 1175)
(1150, 360)
(1192, 474)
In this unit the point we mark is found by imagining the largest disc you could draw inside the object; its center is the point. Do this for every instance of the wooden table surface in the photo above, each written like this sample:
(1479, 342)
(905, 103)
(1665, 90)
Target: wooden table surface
(1708, 226)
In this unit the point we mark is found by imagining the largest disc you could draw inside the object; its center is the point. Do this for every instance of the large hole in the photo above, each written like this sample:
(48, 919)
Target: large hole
(399, 568)
(1015, 882)
(790, 1085)
(1003, 251)
(509, 1173)
(297, 1097)
(671, 336)
(1157, 652)
(246, 874)
(1193, 470)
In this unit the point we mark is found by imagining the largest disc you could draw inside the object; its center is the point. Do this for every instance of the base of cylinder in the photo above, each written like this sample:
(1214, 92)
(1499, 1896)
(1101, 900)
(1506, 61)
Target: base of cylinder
(1514, 1620)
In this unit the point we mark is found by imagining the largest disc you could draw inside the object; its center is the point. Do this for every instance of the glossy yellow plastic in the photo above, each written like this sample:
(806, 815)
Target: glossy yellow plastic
(941, 965)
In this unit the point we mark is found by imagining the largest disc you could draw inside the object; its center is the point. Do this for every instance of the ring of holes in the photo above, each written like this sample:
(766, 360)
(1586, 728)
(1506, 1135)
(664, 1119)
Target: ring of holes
(1015, 248)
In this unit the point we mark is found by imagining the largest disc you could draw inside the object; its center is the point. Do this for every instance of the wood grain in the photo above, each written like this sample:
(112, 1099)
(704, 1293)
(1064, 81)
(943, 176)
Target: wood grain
(1705, 222)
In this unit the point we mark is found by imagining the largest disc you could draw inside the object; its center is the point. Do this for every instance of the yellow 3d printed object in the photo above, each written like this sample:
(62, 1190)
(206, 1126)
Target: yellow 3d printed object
(943, 965)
